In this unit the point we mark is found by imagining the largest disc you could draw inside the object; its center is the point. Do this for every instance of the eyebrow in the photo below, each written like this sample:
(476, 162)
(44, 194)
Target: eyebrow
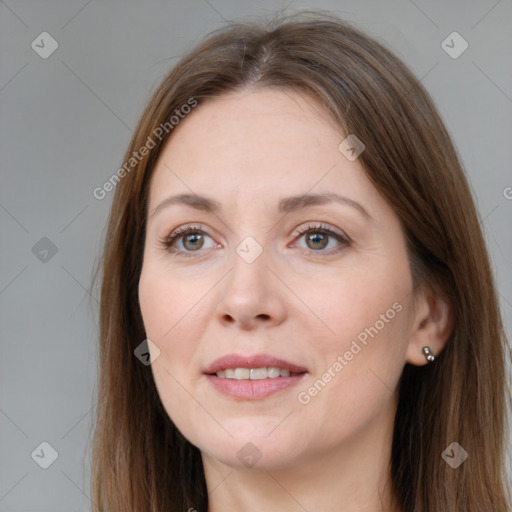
(286, 205)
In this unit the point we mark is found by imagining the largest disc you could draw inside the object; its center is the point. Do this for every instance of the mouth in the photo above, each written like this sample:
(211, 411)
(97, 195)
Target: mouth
(271, 372)
(252, 377)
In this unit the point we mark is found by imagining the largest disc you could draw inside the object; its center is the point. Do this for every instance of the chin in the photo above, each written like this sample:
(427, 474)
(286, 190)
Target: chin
(250, 450)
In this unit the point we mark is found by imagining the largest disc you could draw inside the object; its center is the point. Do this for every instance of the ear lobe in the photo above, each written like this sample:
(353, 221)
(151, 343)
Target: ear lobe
(432, 327)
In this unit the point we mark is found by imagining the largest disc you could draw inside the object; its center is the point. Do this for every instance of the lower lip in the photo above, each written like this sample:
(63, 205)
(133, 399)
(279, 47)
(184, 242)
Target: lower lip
(253, 389)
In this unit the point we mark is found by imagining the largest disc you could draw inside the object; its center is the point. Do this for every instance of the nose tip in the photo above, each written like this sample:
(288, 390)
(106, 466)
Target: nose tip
(251, 295)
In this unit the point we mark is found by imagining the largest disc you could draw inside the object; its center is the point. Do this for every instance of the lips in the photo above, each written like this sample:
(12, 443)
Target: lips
(252, 377)
(234, 361)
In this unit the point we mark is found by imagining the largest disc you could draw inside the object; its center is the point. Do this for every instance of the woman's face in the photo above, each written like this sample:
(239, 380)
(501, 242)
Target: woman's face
(277, 275)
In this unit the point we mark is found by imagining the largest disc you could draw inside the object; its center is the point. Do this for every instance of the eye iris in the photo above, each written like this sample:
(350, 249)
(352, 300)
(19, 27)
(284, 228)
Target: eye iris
(316, 238)
(197, 241)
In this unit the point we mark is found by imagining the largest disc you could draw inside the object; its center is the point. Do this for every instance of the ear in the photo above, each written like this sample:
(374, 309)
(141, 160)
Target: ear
(432, 326)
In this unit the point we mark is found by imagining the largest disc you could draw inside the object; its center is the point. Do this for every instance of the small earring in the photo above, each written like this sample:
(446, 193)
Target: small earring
(429, 355)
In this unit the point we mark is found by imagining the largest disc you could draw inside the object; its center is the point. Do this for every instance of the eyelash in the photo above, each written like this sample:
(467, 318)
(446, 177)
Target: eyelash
(167, 241)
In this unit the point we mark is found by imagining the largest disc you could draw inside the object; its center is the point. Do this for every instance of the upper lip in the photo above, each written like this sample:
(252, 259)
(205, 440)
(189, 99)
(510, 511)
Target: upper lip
(251, 361)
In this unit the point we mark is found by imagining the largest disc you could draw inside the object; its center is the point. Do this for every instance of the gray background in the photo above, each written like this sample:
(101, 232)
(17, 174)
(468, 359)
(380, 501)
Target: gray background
(65, 124)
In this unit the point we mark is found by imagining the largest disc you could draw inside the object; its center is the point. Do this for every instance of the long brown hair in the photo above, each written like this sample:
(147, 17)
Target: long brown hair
(140, 461)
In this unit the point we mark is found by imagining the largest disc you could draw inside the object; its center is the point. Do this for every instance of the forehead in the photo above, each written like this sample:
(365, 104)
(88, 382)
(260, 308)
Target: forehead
(265, 142)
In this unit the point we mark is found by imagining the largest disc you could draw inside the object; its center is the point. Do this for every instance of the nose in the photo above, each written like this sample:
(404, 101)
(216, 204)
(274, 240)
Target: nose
(251, 295)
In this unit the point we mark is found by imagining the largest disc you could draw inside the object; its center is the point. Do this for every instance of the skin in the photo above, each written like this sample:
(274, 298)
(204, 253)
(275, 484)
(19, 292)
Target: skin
(248, 150)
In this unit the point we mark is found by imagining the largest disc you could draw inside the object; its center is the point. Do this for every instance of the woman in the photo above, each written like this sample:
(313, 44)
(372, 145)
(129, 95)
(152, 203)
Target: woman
(297, 308)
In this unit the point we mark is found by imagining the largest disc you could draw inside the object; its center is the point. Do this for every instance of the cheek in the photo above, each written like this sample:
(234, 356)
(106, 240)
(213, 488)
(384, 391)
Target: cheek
(168, 304)
(169, 317)
(170, 313)
(360, 302)
(355, 381)
(361, 356)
